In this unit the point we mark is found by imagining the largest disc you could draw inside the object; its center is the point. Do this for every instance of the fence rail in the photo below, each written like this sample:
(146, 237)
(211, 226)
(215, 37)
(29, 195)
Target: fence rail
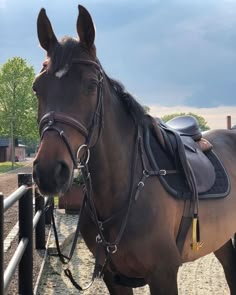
(28, 221)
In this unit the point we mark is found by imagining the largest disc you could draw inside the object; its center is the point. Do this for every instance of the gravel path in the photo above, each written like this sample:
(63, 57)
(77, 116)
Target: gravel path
(203, 277)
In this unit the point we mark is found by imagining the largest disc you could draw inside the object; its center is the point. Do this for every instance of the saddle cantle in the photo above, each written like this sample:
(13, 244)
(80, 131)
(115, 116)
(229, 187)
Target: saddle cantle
(186, 126)
(168, 148)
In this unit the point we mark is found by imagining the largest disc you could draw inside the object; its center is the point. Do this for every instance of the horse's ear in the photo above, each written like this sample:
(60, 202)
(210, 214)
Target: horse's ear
(85, 27)
(47, 38)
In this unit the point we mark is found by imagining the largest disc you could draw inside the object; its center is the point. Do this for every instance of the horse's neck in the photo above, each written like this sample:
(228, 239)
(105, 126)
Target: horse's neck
(111, 158)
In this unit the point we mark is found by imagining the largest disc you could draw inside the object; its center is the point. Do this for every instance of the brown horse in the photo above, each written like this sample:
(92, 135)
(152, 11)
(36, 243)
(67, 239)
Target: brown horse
(80, 106)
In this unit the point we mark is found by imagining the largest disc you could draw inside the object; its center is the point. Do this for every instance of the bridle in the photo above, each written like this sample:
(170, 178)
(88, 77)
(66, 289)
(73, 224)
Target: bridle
(48, 123)
(49, 120)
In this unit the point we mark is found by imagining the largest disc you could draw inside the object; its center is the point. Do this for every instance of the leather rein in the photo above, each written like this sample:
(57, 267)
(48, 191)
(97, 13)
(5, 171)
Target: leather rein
(49, 123)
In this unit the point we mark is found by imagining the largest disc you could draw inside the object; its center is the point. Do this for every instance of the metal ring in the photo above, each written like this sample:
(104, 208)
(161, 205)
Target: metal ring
(141, 184)
(88, 154)
(112, 249)
(145, 173)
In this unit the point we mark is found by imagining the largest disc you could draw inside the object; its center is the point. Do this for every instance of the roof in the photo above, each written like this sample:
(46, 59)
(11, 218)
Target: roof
(4, 142)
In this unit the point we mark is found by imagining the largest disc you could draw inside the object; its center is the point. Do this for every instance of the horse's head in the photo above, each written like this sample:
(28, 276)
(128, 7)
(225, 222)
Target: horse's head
(69, 92)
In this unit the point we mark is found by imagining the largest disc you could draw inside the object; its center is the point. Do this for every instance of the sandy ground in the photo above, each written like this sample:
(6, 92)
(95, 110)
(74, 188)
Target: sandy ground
(203, 277)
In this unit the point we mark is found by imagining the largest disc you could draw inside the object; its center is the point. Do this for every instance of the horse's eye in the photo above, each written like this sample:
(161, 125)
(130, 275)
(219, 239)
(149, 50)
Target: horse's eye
(92, 85)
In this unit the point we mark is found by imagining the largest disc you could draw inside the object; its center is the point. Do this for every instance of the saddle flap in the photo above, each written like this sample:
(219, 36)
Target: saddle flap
(203, 169)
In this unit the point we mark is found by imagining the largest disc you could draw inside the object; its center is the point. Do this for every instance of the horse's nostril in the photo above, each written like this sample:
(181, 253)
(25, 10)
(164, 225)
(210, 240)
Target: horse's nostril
(62, 172)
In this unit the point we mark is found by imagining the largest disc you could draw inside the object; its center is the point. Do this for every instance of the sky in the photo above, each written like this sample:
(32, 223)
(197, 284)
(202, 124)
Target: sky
(169, 54)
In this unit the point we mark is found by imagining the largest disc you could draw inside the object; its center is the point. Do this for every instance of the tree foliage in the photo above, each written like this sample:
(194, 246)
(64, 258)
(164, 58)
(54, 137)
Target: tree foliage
(146, 108)
(202, 122)
(18, 105)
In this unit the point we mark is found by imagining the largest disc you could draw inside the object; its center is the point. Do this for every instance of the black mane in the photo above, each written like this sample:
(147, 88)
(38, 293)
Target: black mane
(130, 103)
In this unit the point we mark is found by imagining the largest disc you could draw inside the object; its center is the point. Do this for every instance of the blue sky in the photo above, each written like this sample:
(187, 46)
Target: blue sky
(165, 52)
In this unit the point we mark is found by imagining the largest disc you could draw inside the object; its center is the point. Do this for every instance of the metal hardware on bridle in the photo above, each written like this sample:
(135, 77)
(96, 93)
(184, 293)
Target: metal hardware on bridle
(81, 164)
(112, 249)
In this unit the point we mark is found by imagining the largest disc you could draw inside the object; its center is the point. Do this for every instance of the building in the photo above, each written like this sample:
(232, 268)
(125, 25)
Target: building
(5, 150)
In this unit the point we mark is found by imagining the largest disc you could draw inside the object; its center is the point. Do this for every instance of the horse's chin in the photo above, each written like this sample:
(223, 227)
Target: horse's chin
(55, 190)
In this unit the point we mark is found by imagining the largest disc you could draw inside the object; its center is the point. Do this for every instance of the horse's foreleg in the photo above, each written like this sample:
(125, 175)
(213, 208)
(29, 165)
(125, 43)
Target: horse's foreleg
(113, 288)
(164, 281)
(227, 257)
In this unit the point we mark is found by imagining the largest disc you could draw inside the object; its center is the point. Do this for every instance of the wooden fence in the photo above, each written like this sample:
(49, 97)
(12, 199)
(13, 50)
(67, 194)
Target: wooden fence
(28, 221)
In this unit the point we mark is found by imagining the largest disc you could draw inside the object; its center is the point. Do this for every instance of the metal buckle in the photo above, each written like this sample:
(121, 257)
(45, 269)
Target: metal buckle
(141, 184)
(100, 225)
(162, 172)
(98, 239)
(50, 122)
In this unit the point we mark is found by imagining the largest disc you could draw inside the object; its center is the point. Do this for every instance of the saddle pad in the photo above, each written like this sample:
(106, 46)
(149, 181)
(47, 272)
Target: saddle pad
(175, 184)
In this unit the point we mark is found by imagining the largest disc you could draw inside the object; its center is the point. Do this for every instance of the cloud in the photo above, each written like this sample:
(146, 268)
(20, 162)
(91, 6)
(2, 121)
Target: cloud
(167, 52)
(182, 49)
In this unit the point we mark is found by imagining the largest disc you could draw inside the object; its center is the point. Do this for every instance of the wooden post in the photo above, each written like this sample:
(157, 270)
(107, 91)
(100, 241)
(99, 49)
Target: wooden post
(229, 122)
(25, 270)
(40, 227)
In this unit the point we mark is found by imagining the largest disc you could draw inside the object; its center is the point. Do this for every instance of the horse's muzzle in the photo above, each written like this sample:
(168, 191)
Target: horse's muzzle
(52, 180)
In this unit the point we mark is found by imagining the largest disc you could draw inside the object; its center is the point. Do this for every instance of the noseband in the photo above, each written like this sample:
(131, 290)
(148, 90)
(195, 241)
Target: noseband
(49, 120)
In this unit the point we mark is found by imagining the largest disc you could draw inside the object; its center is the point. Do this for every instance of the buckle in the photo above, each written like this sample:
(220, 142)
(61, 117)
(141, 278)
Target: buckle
(98, 239)
(162, 172)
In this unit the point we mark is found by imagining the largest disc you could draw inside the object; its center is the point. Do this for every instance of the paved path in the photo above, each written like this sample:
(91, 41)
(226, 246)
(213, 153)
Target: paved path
(202, 277)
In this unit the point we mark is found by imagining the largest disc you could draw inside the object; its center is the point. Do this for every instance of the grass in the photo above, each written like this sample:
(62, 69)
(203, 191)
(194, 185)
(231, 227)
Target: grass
(6, 166)
(56, 201)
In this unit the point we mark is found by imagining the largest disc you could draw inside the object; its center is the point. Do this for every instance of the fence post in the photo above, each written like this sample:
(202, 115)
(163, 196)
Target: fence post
(228, 122)
(26, 231)
(1, 246)
(40, 227)
(48, 217)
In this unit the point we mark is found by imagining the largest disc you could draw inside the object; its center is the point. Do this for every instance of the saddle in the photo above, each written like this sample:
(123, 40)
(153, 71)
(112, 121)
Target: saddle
(187, 168)
(190, 135)
(178, 146)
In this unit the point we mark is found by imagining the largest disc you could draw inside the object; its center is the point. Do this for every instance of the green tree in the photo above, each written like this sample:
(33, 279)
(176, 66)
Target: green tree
(146, 108)
(18, 106)
(202, 122)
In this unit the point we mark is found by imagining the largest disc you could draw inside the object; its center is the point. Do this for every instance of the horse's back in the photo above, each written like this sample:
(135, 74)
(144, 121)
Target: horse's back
(224, 144)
